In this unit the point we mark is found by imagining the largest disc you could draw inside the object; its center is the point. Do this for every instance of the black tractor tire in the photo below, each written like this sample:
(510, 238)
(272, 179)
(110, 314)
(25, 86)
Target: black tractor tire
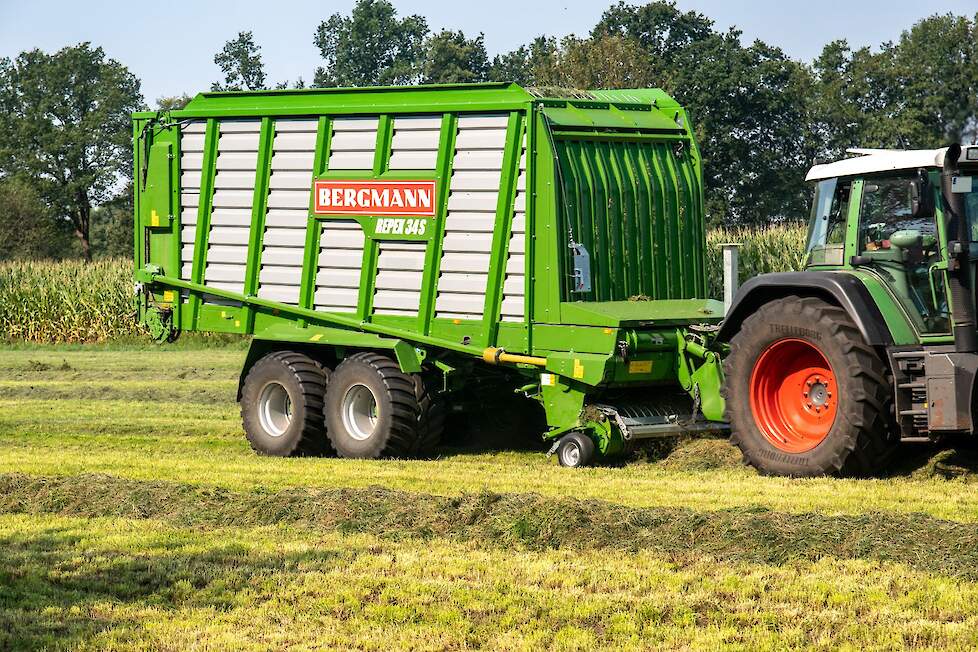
(575, 450)
(431, 418)
(371, 409)
(805, 394)
(282, 405)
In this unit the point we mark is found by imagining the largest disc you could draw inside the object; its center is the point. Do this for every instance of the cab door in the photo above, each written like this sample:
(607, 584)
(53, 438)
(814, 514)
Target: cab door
(903, 248)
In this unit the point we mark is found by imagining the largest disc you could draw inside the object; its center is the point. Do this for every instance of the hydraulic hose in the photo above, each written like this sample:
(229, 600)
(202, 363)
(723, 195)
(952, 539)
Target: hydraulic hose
(959, 263)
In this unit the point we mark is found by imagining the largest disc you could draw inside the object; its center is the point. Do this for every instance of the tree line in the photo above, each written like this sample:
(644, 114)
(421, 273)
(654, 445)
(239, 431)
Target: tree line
(761, 117)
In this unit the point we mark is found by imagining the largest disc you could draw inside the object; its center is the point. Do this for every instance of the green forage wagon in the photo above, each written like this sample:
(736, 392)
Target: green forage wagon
(390, 248)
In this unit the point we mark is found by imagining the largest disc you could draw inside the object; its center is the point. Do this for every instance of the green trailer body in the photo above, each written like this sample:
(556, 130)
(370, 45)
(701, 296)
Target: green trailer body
(558, 236)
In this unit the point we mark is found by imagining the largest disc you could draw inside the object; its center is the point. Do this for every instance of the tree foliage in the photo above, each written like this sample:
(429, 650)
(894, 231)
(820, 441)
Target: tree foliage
(172, 103)
(27, 228)
(370, 47)
(750, 110)
(240, 61)
(112, 225)
(65, 129)
(533, 64)
(660, 28)
(452, 58)
(935, 77)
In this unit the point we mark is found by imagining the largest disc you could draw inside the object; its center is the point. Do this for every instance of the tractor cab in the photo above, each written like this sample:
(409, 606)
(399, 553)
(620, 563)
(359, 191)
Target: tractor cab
(882, 213)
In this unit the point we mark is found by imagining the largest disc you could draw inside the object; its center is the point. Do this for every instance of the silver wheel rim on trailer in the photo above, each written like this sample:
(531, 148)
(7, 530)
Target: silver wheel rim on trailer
(275, 409)
(359, 411)
(571, 454)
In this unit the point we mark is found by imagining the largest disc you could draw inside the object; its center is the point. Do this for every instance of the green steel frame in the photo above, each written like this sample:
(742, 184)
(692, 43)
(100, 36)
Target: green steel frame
(628, 153)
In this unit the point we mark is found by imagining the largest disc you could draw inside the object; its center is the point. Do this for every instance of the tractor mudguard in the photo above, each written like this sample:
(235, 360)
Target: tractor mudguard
(840, 288)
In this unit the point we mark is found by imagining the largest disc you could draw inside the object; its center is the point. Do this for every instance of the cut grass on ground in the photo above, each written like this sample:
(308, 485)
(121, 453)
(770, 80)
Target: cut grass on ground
(120, 584)
(170, 415)
(133, 515)
(518, 521)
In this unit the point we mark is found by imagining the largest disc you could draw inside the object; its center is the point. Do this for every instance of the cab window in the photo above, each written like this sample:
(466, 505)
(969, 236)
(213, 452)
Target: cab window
(903, 250)
(886, 210)
(827, 232)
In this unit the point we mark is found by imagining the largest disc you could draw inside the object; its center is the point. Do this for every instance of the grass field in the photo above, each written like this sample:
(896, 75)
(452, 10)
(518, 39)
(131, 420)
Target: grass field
(133, 515)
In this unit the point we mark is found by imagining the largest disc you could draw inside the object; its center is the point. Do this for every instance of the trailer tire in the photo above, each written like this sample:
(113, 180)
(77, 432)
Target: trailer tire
(282, 405)
(575, 450)
(431, 419)
(371, 409)
(805, 395)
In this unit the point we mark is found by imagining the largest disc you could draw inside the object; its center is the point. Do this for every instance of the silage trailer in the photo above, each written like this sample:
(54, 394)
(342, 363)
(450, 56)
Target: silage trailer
(390, 249)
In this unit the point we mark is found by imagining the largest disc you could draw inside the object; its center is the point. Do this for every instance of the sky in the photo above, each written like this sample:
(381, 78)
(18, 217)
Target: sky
(170, 45)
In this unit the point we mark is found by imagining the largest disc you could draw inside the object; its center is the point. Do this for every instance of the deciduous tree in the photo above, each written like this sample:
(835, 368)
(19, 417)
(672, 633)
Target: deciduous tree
(452, 58)
(372, 46)
(240, 61)
(65, 129)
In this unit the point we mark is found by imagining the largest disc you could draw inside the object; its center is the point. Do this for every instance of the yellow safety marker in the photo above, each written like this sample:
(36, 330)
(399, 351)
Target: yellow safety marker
(578, 369)
(640, 367)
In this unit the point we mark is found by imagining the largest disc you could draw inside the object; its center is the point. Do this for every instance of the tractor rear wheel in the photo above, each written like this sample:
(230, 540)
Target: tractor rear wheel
(371, 408)
(806, 396)
(282, 405)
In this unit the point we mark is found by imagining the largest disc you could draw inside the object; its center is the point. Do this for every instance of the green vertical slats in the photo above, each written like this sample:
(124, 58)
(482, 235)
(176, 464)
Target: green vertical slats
(176, 224)
(368, 274)
(615, 216)
(259, 206)
(670, 210)
(647, 264)
(697, 224)
(310, 261)
(208, 170)
(569, 206)
(602, 199)
(503, 227)
(443, 181)
(593, 207)
(643, 158)
(585, 229)
(529, 287)
(691, 233)
(681, 216)
(636, 206)
(632, 276)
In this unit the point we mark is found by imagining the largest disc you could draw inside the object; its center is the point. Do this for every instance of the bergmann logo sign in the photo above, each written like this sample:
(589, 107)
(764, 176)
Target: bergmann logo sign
(374, 198)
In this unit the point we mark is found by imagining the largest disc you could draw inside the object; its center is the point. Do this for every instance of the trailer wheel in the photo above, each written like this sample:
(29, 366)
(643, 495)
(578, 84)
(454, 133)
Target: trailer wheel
(282, 405)
(575, 450)
(805, 395)
(431, 419)
(371, 408)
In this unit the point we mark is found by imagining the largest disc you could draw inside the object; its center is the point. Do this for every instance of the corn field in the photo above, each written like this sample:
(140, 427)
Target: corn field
(67, 301)
(762, 250)
(74, 301)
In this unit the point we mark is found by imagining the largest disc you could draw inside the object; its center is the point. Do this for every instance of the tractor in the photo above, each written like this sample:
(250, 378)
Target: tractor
(874, 343)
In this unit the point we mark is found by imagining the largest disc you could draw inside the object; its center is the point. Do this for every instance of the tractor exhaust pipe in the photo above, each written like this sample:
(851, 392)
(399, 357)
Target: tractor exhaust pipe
(959, 267)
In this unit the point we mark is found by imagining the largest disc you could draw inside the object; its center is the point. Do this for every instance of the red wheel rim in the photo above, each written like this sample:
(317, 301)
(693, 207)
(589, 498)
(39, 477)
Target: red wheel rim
(793, 395)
